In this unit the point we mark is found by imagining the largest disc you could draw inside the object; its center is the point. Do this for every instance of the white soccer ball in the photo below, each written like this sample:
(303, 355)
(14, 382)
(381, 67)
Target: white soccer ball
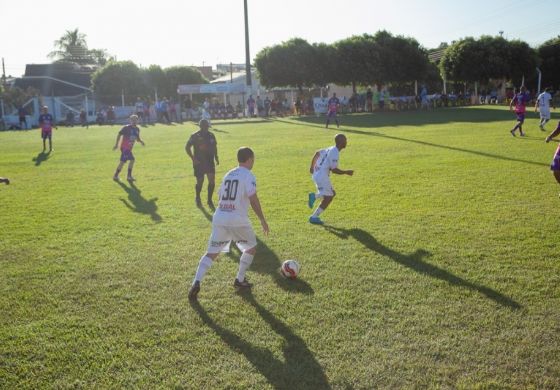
(290, 269)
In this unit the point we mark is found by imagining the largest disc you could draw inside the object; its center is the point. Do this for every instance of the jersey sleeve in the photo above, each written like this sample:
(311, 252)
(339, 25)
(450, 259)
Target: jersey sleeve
(190, 140)
(250, 184)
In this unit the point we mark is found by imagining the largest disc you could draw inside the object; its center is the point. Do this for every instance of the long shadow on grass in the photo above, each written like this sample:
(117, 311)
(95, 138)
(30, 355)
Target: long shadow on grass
(415, 262)
(424, 143)
(267, 262)
(419, 118)
(137, 203)
(299, 370)
(41, 158)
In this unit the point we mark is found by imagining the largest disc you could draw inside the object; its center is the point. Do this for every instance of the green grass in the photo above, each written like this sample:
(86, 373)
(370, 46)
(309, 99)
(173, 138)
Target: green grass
(438, 266)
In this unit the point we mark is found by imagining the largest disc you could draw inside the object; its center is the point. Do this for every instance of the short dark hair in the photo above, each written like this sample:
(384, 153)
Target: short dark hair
(244, 153)
(338, 138)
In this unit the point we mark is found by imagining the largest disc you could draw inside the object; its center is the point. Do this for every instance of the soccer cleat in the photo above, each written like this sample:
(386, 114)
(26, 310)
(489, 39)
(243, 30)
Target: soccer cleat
(244, 284)
(193, 292)
(315, 221)
(116, 178)
(211, 205)
(522, 134)
(311, 200)
(512, 132)
(130, 178)
(541, 127)
(198, 202)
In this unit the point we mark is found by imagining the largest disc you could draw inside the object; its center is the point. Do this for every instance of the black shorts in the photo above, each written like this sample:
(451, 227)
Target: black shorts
(204, 168)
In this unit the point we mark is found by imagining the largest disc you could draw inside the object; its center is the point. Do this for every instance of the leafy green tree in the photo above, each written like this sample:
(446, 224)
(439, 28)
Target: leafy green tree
(15, 97)
(357, 61)
(401, 59)
(116, 78)
(287, 64)
(487, 58)
(72, 47)
(155, 80)
(549, 53)
(176, 75)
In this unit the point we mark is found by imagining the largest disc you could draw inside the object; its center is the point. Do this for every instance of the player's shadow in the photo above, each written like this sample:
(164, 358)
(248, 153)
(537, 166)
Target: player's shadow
(267, 262)
(137, 203)
(298, 370)
(41, 158)
(416, 262)
(434, 145)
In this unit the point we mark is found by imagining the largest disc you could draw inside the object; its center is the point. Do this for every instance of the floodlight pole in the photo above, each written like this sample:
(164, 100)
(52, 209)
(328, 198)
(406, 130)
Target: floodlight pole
(247, 55)
(539, 83)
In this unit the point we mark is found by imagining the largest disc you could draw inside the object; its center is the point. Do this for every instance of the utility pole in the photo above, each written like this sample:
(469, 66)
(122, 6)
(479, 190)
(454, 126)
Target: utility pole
(247, 55)
(3, 73)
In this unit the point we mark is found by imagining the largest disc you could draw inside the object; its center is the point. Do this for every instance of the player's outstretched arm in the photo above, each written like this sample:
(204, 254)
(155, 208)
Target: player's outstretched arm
(338, 171)
(256, 206)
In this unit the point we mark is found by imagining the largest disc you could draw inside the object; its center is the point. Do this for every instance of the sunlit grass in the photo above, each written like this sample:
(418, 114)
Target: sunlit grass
(437, 267)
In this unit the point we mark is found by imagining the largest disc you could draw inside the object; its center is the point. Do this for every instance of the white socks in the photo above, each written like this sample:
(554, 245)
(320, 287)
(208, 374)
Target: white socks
(244, 263)
(203, 265)
(317, 212)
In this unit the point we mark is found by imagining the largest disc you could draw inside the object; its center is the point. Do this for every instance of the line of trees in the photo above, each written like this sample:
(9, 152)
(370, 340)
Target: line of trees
(384, 58)
(113, 78)
(117, 77)
(357, 60)
(485, 58)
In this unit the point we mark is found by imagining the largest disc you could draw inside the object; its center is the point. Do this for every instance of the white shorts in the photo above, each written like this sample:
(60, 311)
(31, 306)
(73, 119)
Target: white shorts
(324, 186)
(544, 113)
(243, 236)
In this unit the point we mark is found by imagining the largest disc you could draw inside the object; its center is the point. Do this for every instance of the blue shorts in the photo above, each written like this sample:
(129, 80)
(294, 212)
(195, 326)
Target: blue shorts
(555, 166)
(126, 155)
(520, 117)
(331, 114)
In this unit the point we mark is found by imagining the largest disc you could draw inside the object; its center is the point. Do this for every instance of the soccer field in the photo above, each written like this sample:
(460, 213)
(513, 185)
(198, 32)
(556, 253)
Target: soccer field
(437, 266)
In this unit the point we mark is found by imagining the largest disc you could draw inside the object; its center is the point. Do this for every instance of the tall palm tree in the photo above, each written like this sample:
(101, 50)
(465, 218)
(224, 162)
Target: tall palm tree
(72, 47)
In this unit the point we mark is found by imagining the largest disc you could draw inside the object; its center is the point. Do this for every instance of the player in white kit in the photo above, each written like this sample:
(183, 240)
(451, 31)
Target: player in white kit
(323, 163)
(543, 104)
(231, 221)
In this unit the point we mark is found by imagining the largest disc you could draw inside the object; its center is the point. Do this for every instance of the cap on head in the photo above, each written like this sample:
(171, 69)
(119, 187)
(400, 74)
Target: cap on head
(133, 117)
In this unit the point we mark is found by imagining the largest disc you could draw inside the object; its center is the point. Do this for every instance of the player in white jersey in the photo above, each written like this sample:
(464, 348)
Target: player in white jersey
(323, 163)
(543, 104)
(231, 221)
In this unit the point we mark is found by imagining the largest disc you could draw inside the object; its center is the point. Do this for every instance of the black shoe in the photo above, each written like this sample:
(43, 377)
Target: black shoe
(211, 205)
(198, 203)
(243, 284)
(193, 292)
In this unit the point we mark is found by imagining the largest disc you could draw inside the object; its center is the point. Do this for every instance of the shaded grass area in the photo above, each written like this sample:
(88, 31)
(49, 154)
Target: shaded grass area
(437, 266)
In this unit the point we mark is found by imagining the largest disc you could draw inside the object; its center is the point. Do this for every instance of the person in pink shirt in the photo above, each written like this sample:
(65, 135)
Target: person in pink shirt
(129, 134)
(46, 123)
(519, 100)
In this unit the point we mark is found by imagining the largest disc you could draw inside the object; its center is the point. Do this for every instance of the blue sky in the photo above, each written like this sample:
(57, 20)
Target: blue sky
(183, 32)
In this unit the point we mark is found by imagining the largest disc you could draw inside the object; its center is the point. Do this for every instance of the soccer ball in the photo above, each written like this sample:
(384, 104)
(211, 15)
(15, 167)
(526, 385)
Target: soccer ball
(290, 269)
